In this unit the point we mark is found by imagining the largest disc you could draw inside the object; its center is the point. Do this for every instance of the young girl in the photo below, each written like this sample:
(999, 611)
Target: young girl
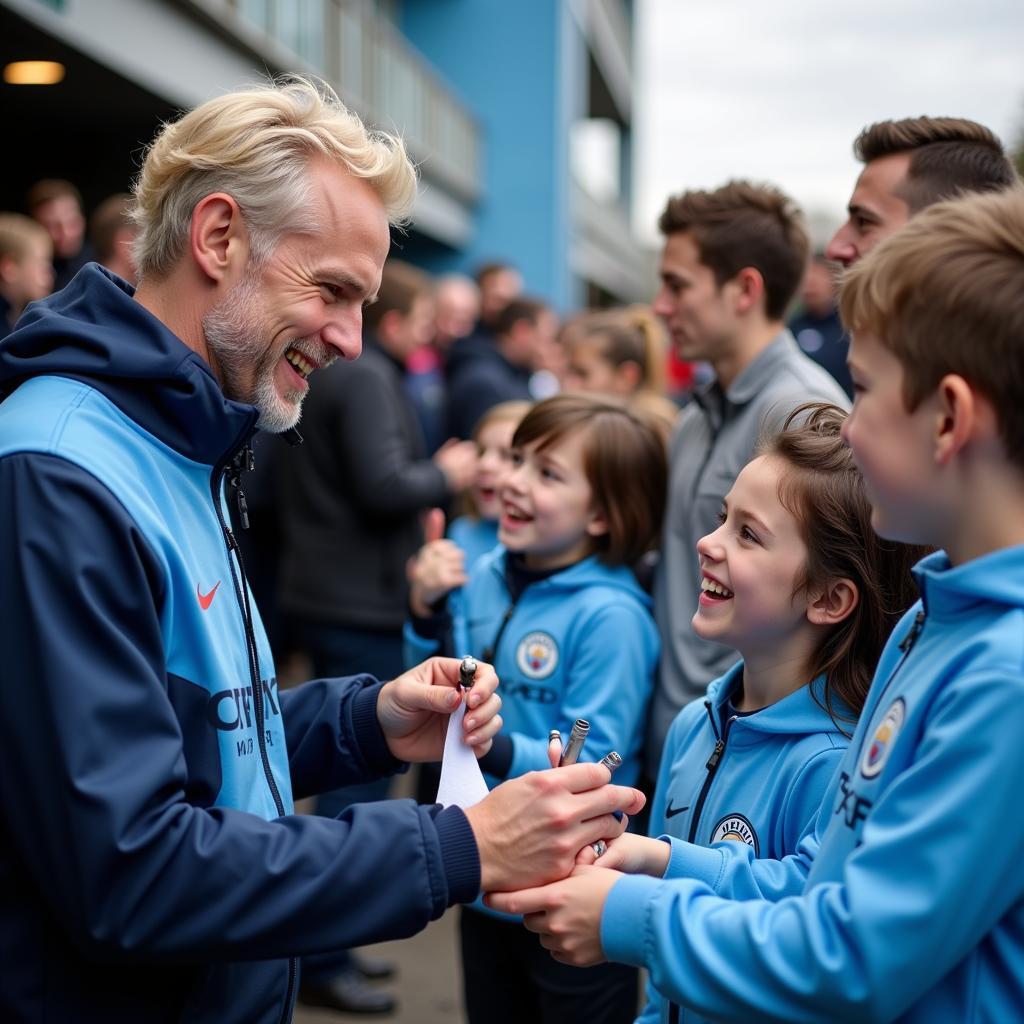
(561, 616)
(622, 352)
(797, 581)
(476, 532)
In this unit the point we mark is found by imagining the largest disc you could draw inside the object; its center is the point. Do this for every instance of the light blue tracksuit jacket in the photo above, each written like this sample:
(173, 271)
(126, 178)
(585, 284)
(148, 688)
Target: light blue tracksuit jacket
(905, 901)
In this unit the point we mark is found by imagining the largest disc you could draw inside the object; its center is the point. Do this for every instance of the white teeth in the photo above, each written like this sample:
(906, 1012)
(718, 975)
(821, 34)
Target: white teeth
(714, 588)
(303, 365)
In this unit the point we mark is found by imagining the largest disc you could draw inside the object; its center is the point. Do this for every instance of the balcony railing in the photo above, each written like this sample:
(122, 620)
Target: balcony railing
(374, 70)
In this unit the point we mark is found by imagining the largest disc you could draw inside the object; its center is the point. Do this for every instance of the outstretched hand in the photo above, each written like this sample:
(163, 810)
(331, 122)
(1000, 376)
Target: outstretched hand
(566, 914)
(528, 830)
(413, 709)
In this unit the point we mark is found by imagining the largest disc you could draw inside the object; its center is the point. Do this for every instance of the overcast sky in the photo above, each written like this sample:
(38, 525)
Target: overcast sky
(777, 90)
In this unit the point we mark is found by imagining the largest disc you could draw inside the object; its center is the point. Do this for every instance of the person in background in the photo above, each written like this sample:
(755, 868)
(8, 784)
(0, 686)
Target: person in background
(57, 205)
(482, 371)
(112, 233)
(816, 326)
(456, 310)
(622, 352)
(499, 283)
(26, 271)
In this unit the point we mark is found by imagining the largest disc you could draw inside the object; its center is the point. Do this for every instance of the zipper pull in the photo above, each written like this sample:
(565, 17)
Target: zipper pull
(910, 639)
(229, 537)
(243, 506)
(716, 755)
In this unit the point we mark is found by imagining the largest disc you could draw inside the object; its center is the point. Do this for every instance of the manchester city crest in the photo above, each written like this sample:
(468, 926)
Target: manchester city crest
(878, 749)
(736, 829)
(537, 655)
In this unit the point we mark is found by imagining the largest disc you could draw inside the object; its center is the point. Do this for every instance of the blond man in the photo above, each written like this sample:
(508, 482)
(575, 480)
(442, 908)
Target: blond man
(148, 762)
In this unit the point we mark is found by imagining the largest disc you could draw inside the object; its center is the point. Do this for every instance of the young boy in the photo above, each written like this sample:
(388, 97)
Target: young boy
(906, 899)
(26, 270)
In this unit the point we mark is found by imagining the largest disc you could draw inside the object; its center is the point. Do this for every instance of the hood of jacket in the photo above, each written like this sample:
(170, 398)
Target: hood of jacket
(947, 590)
(95, 332)
(588, 573)
(798, 713)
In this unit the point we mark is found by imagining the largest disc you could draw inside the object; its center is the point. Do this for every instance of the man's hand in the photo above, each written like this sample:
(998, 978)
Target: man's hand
(529, 830)
(566, 915)
(414, 708)
(634, 855)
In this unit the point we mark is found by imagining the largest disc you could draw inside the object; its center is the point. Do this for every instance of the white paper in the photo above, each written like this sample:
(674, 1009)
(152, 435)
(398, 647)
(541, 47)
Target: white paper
(462, 782)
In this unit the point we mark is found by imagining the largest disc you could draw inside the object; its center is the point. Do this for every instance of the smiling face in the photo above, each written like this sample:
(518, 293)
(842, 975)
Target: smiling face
(891, 446)
(752, 567)
(494, 447)
(875, 209)
(303, 308)
(547, 504)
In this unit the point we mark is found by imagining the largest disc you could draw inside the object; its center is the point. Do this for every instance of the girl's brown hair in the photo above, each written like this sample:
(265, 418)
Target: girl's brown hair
(632, 335)
(624, 462)
(822, 487)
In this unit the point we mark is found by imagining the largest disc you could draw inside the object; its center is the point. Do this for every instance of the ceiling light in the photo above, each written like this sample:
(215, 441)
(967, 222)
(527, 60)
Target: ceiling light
(33, 72)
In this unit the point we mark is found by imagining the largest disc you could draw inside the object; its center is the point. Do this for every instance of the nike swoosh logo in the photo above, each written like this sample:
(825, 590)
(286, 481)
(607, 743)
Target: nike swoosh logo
(205, 600)
(671, 812)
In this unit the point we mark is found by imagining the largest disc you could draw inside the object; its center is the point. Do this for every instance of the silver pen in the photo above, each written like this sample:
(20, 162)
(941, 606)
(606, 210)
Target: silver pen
(467, 671)
(578, 736)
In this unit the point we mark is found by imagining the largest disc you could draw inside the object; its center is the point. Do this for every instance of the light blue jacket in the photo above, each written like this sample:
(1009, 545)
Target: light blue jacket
(761, 787)
(912, 879)
(579, 644)
(476, 537)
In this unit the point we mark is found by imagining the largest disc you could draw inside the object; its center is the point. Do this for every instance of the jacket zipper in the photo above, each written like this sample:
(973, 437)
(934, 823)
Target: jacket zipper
(712, 767)
(241, 586)
(906, 646)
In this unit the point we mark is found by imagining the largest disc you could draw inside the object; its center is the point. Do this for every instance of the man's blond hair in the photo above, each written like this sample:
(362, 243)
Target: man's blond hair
(256, 145)
(945, 294)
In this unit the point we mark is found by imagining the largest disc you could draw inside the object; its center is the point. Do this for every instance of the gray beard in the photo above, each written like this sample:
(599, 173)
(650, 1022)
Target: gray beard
(234, 331)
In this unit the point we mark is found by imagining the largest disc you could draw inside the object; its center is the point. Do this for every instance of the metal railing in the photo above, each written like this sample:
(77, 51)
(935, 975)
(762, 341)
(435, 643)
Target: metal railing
(374, 70)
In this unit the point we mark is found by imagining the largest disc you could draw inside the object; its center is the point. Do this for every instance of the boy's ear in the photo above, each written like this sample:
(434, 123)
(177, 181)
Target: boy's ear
(833, 602)
(219, 240)
(960, 416)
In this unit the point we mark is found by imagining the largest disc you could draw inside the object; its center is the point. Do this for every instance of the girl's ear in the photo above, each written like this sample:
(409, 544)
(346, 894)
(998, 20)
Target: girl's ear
(597, 523)
(833, 602)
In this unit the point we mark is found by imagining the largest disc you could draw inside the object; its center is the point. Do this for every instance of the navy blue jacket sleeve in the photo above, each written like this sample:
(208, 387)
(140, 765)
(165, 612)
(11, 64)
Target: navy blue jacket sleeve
(92, 771)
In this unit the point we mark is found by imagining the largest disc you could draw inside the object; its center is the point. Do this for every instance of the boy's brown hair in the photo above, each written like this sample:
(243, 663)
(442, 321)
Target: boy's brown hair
(401, 284)
(945, 294)
(822, 487)
(745, 225)
(948, 156)
(624, 462)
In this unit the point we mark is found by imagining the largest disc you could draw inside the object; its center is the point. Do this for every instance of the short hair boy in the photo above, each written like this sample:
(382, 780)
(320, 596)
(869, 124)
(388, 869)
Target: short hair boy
(912, 880)
(26, 267)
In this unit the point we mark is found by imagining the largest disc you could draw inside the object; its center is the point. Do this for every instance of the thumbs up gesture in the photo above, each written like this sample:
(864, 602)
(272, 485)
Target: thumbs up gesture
(439, 566)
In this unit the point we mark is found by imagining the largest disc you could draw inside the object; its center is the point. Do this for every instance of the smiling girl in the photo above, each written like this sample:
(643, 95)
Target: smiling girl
(794, 579)
(561, 616)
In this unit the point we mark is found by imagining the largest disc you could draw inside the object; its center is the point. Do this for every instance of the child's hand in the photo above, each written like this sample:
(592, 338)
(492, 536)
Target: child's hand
(438, 568)
(633, 855)
(457, 460)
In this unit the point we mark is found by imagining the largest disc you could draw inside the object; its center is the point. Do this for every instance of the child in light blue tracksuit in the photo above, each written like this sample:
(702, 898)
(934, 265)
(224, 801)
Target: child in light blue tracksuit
(569, 630)
(905, 898)
(792, 583)
(476, 532)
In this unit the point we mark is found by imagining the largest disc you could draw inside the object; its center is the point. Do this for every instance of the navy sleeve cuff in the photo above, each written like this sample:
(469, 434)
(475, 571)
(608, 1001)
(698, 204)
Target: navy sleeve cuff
(498, 760)
(368, 733)
(460, 855)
